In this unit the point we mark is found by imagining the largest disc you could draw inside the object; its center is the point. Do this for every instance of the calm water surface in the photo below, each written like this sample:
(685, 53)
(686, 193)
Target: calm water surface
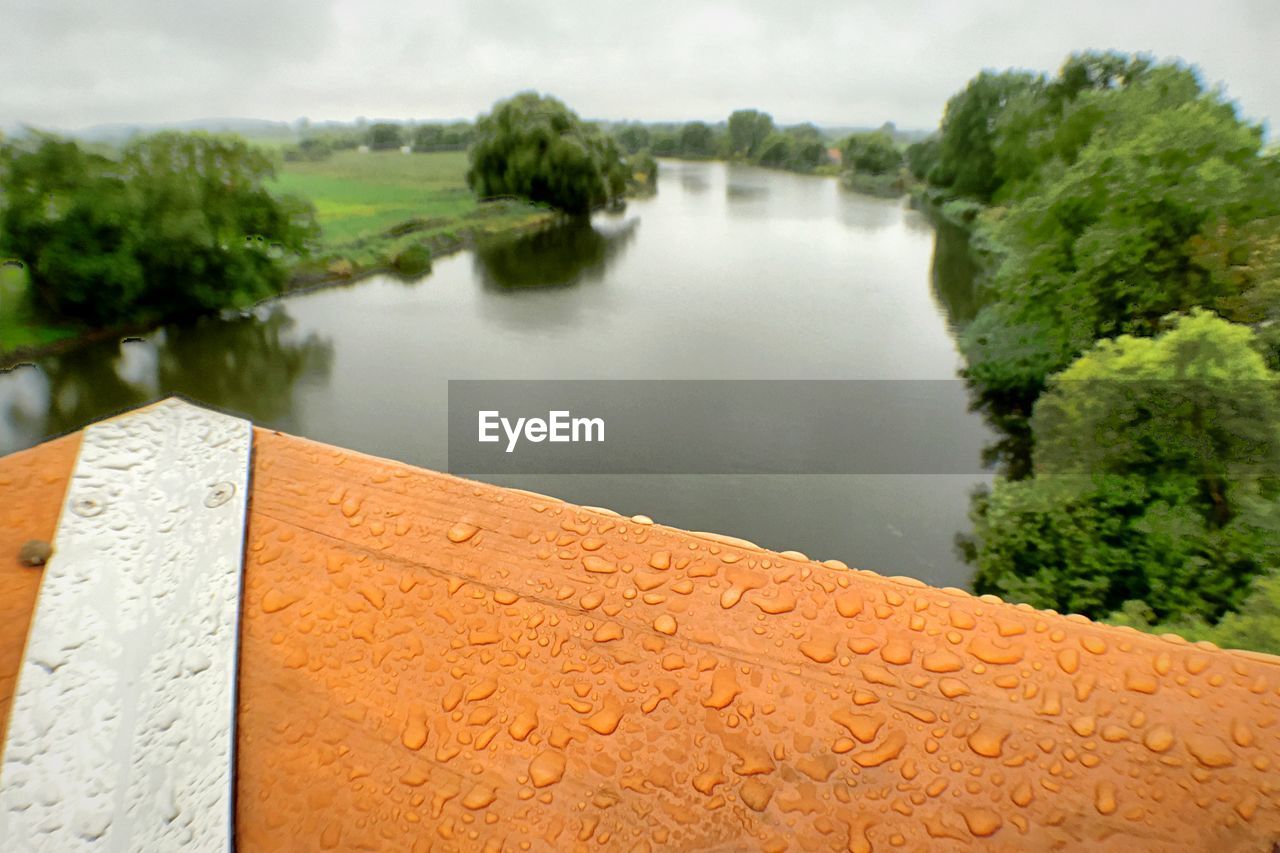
(729, 273)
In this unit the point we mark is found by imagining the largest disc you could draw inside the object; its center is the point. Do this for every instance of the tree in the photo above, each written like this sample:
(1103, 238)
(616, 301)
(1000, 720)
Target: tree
(1255, 625)
(1000, 133)
(1122, 192)
(1095, 71)
(73, 221)
(537, 148)
(665, 142)
(809, 149)
(633, 137)
(697, 140)
(921, 157)
(966, 152)
(1108, 244)
(748, 129)
(871, 153)
(428, 136)
(777, 150)
(1157, 474)
(800, 149)
(181, 223)
(1047, 124)
(442, 137)
(310, 149)
(1244, 262)
(1198, 400)
(459, 133)
(384, 136)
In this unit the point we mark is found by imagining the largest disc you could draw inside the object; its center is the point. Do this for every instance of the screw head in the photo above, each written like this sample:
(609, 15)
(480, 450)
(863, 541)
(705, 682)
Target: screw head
(219, 494)
(35, 553)
(87, 507)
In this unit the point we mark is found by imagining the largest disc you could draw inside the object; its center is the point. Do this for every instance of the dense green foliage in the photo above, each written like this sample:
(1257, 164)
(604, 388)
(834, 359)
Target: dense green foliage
(1132, 219)
(1120, 178)
(1244, 261)
(534, 147)
(922, 156)
(799, 149)
(179, 223)
(697, 139)
(1156, 465)
(311, 149)
(316, 145)
(633, 137)
(1255, 624)
(699, 142)
(442, 137)
(967, 150)
(872, 163)
(384, 136)
(748, 129)
(749, 135)
(872, 153)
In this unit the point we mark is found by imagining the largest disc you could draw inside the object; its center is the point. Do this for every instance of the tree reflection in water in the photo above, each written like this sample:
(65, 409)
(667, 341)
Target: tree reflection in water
(249, 365)
(562, 256)
(956, 279)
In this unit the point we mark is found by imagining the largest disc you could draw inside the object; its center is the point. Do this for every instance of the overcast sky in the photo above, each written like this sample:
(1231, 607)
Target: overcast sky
(67, 65)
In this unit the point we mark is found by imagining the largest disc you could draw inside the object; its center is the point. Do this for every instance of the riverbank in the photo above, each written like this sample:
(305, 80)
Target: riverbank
(376, 211)
(21, 326)
(972, 217)
(60, 339)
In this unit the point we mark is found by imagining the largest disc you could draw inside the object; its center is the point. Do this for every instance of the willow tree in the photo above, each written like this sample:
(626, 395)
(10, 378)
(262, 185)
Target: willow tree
(534, 147)
(178, 224)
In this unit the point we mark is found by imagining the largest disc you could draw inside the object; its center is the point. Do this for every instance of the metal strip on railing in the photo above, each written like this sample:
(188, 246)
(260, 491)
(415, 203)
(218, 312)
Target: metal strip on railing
(122, 732)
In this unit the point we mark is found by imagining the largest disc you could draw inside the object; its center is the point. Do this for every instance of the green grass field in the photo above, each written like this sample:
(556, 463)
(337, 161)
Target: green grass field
(21, 326)
(360, 196)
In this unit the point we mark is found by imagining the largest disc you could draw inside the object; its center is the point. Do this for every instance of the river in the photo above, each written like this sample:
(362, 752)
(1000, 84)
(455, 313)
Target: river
(730, 272)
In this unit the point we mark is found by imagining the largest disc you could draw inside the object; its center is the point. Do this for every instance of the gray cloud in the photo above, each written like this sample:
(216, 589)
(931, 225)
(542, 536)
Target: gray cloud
(72, 64)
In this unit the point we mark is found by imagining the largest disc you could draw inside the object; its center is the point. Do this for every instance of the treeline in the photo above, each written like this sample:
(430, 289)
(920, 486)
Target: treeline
(869, 161)
(874, 157)
(381, 136)
(748, 135)
(172, 224)
(1132, 219)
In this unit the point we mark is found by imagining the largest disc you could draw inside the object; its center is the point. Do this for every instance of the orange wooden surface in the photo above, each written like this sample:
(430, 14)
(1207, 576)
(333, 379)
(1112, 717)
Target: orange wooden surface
(32, 483)
(430, 663)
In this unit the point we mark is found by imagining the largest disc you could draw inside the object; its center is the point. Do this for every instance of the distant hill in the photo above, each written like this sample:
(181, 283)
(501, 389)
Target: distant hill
(254, 128)
(119, 132)
(901, 134)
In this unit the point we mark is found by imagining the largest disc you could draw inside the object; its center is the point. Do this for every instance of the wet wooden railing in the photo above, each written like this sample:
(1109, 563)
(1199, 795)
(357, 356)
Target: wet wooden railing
(432, 663)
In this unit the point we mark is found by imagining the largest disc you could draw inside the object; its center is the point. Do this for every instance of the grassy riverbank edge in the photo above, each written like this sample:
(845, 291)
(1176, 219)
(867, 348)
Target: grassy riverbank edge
(328, 269)
(975, 219)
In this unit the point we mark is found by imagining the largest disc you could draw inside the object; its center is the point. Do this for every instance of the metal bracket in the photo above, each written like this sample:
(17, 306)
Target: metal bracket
(122, 733)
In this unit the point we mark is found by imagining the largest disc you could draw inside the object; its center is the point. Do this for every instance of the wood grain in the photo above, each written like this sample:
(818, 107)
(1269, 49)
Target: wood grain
(431, 663)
